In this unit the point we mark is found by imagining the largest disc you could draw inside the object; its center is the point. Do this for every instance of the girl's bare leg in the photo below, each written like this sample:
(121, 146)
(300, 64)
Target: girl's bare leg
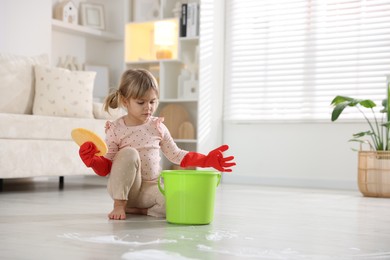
(119, 211)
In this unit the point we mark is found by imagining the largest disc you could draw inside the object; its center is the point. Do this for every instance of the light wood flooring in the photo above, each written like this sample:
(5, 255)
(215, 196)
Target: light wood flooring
(38, 221)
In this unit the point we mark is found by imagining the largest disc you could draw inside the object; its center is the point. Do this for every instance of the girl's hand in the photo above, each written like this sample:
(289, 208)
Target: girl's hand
(87, 153)
(216, 160)
(100, 165)
(213, 159)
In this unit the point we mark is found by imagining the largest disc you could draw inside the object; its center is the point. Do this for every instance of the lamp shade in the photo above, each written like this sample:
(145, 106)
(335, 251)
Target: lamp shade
(164, 33)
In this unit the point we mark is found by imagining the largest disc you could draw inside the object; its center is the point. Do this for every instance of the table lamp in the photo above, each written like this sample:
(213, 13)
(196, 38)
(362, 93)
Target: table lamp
(164, 38)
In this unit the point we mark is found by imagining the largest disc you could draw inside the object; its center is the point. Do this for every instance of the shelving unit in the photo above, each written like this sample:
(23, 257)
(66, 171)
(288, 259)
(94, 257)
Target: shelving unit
(91, 46)
(83, 31)
(141, 47)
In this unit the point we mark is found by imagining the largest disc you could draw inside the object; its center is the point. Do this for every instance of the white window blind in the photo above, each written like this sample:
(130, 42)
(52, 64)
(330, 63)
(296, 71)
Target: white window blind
(287, 59)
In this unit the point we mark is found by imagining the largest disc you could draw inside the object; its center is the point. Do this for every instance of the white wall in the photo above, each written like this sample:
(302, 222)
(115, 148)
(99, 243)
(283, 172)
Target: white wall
(210, 75)
(25, 27)
(292, 154)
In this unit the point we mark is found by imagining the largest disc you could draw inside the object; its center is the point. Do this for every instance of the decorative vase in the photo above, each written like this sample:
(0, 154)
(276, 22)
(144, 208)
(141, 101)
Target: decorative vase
(374, 173)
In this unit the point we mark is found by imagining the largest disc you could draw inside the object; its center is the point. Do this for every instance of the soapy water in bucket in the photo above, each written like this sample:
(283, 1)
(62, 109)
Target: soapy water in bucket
(189, 195)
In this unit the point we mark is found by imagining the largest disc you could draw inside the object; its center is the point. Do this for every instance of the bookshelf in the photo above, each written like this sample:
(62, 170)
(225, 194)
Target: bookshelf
(175, 67)
(90, 46)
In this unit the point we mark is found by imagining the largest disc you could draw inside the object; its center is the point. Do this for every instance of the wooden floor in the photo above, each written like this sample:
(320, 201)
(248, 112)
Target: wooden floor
(37, 221)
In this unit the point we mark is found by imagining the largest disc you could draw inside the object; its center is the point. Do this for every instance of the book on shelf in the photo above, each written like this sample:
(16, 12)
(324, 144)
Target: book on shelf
(189, 20)
(183, 20)
(192, 20)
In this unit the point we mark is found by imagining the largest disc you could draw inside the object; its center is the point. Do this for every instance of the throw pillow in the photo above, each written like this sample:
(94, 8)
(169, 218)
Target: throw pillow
(61, 92)
(17, 82)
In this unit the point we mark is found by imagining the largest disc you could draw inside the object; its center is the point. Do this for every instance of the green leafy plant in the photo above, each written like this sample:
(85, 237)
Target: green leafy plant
(379, 126)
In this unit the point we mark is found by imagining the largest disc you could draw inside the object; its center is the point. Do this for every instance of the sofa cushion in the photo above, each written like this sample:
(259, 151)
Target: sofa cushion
(61, 92)
(33, 158)
(113, 114)
(17, 82)
(18, 126)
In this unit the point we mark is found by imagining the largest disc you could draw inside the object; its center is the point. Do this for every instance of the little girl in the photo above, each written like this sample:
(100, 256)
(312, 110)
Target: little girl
(134, 142)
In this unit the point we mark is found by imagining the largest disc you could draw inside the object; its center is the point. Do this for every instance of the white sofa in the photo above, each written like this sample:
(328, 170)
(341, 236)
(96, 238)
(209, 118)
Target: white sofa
(35, 137)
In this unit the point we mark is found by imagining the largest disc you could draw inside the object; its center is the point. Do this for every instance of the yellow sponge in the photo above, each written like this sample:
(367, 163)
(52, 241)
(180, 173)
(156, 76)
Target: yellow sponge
(82, 135)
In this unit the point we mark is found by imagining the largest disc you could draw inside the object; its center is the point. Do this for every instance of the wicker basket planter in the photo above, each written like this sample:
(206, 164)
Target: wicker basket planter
(374, 173)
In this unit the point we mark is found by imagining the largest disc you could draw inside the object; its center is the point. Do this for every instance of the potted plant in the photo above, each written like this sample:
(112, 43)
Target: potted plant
(373, 165)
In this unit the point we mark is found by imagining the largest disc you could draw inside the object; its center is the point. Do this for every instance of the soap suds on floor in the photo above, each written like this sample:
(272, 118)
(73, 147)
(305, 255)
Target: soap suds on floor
(111, 239)
(219, 235)
(152, 254)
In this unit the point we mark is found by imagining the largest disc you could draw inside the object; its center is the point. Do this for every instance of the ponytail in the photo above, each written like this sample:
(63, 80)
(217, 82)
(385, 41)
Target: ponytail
(112, 101)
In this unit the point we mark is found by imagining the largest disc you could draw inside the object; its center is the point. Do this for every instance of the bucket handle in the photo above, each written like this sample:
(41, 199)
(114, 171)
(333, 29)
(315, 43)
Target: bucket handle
(219, 179)
(159, 185)
(163, 191)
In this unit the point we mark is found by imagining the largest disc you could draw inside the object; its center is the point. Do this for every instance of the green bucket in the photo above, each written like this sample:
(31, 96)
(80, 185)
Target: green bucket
(189, 195)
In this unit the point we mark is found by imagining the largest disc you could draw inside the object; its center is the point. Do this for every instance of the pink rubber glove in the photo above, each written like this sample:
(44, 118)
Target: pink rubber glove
(214, 159)
(100, 164)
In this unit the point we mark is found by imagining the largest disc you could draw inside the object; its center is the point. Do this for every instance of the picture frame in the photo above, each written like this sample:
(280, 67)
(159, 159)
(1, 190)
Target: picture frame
(92, 15)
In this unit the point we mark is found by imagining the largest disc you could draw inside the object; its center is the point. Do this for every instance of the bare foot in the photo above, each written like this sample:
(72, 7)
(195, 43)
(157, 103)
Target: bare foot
(119, 211)
(137, 211)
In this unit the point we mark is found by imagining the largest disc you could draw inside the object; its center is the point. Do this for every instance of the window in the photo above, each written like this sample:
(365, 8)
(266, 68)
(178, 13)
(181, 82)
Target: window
(287, 59)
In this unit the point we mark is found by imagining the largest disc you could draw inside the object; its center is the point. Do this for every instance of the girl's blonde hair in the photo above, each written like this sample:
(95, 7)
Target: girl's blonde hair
(134, 84)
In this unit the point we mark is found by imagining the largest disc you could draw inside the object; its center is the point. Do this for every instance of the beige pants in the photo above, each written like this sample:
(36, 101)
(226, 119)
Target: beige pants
(125, 183)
